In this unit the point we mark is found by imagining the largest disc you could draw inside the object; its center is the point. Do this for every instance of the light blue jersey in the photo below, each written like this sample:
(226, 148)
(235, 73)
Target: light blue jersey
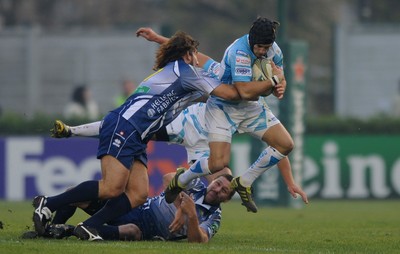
(224, 118)
(238, 59)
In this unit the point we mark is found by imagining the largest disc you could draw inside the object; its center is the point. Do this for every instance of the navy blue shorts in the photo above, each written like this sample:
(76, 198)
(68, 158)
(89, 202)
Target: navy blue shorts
(141, 218)
(120, 139)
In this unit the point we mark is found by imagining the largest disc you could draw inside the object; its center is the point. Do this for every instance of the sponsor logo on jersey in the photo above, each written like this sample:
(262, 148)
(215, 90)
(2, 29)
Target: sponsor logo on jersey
(162, 103)
(241, 60)
(142, 89)
(214, 68)
(242, 53)
(216, 72)
(214, 228)
(242, 71)
(151, 112)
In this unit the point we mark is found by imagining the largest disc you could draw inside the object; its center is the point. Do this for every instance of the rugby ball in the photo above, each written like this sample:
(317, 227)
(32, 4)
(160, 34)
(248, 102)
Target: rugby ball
(262, 69)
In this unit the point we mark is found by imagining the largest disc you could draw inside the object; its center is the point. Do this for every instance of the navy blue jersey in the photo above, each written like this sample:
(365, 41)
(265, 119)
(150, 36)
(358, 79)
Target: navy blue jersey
(163, 95)
(154, 217)
(159, 99)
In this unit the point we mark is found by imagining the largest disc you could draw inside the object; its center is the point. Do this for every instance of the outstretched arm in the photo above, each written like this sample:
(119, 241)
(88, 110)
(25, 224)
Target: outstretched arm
(293, 188)
(150, 35)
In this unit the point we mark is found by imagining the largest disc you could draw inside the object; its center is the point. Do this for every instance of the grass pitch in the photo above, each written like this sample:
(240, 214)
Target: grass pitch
(320, 227)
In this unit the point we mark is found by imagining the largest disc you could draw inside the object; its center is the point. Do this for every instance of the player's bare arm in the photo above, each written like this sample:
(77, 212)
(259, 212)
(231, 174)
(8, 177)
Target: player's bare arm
(253, 89)
(280, 88)
(227, 92)
(194, 232)
(178, 222)
(292, 187)
(150, 35)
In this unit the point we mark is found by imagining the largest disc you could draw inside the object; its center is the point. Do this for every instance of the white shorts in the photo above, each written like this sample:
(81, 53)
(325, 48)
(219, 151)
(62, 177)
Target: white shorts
(223, 119)
(190, 129)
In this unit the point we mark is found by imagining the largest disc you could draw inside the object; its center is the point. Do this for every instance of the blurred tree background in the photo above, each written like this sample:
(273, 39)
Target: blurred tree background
(215, 24)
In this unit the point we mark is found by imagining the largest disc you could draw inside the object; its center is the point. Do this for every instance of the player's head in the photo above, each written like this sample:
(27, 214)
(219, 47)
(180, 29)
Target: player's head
(219, 190)
(179, 45)
(262, 35)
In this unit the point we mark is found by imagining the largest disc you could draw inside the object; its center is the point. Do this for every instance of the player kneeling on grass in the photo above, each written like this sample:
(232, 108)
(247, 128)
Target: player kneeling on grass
(195, 215)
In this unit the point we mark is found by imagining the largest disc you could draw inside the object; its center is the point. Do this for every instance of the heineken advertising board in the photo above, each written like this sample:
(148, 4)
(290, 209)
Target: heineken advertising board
(335, 167)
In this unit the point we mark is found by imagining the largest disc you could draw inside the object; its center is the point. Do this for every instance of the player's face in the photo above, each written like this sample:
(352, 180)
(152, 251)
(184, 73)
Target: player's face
(218, 191)
(191, 58)
(260, 50)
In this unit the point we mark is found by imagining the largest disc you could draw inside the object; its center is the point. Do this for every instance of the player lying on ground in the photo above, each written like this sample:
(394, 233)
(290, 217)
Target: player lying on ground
(195, 215)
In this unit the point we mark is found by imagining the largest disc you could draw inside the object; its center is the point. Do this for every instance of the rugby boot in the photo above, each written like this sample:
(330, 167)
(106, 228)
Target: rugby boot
(245, 194)
(87, 233)
(41, 215)
(60, 130)
(173, 189)
(59, 231)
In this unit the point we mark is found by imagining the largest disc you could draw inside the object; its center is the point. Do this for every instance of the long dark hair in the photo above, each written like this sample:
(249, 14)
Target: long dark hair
(175, 48)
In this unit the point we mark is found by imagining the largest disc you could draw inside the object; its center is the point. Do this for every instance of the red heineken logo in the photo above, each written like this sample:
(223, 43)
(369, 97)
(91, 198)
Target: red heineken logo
(299, 69)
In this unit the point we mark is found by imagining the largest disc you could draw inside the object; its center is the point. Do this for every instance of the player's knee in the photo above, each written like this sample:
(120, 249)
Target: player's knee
(107, 191)
(289, 146)
(138, 198)
(284, 146)
(217, 164)
(114, 192)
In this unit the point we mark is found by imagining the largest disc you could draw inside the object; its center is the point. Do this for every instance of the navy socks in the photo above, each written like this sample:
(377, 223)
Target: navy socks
(63, 214)
(85, 191)
(114, 208)
(108, 232)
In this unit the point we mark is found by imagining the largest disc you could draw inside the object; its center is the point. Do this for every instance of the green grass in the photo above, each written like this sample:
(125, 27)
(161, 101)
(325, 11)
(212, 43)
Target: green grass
(321, 227)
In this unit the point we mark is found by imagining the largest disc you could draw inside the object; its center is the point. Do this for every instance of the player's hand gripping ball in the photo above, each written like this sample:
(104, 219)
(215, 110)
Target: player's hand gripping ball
(262, 69)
